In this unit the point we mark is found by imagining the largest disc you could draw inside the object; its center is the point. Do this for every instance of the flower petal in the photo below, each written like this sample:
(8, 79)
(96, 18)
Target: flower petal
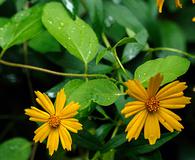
(36, 113)
(136, 126)
(154, 85)
(171, 89)
(170, 113)
(71, 124)
(136, 90)
(42, 132)
(65, 138)
(178, 3)
(60, 101)
(174, 103)
(152, 128)
(132, 108)
(69, 111)
(53, 141)
(170, 120)
(164, 123)
(160, 5)
(45, 102)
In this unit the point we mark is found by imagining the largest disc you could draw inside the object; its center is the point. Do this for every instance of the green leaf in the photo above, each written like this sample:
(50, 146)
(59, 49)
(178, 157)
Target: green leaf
(155, 155)
(141, 146)
(172, 36)
(128, 20)
(124, 41)
(103, 131)
(22, 27)
(75, 35)
(114, 142)
(108, 155)
(44, 42)
(100, 91)
(106, 54)
(131, 50)
(170, 67)
(87, 140)
(3, 21)
(2, 1)
(15, 148)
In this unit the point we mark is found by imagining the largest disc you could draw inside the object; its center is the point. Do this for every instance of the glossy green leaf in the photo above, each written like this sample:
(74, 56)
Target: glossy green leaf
(16, 148)
(114, 142)
(106, 54)
(100, 91)
(3, 21)
(75, 35)
(108, 155)
(44, 42)
(22, 26)
(123, 41)
(170, 67)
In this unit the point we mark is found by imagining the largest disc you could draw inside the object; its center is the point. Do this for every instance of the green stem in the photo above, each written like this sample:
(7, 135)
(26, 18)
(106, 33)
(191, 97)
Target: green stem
(116, 129)
(86, 70)
(105, 40)
(171, 50)
(2, 52)
(11, 64)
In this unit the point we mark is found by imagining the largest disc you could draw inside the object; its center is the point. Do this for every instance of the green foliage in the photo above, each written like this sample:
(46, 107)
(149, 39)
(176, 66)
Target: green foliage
(15, 148)
(75, 35)
(170, 67)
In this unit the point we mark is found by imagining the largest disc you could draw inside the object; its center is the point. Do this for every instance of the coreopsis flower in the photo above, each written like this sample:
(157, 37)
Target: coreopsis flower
(152, 106)
(177, 3)
(193, 19)
(57, 121)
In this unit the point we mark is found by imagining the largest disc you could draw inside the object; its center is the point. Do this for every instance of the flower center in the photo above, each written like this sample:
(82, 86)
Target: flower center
(54, 121)
(152, 104)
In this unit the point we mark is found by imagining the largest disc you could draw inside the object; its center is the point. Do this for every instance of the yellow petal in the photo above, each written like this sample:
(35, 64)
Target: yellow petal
(152, 128)
(45, 102)
(42, 132)
(53, 141)
(71, 124)
(193, 1)
(178, 3)
(170, 120)
(134, 106)
(36, 113)
(136, 90)
(70, 110)
(37, 119)
(164, 123)
(174, 103)
(154, 85)
(65, 138)
(171, 89)
(170, 113)
(160, 5)
(60, 101)
(135, 130)
(193, 19)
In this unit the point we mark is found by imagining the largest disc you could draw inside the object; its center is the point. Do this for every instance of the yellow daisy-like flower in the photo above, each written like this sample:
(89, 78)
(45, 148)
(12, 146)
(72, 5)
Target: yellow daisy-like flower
(57, 122)
(193, 19)
(152, 106)
(177, 3)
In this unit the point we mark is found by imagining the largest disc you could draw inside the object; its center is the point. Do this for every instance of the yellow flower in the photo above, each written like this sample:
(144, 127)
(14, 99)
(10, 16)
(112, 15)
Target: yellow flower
(177, 3)
(152, 106)
(56, 121)
(193, 19)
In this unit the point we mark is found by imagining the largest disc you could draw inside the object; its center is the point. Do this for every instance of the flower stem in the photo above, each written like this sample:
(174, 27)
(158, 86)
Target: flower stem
(2, 52)
(171, 50)
(11, 64)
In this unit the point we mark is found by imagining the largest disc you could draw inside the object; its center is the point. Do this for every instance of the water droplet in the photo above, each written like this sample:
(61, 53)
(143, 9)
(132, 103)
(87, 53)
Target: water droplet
(1, 29)
(61, 24)
(109, 21)
(69, 38)
(59, 28)
(50, 22)
(51, 94)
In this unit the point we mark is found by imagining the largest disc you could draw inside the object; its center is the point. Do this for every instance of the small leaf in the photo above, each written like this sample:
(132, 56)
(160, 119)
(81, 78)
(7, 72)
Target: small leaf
(15, 148)
(170, 67)
(2, 1)
(114, 142)
(131, 50)
(123, 41)
(22, 26)
(106, 54)
(75, 35)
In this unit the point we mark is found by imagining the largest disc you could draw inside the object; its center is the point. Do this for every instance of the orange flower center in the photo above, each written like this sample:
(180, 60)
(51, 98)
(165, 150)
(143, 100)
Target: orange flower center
(152, 104)
(54, 121)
